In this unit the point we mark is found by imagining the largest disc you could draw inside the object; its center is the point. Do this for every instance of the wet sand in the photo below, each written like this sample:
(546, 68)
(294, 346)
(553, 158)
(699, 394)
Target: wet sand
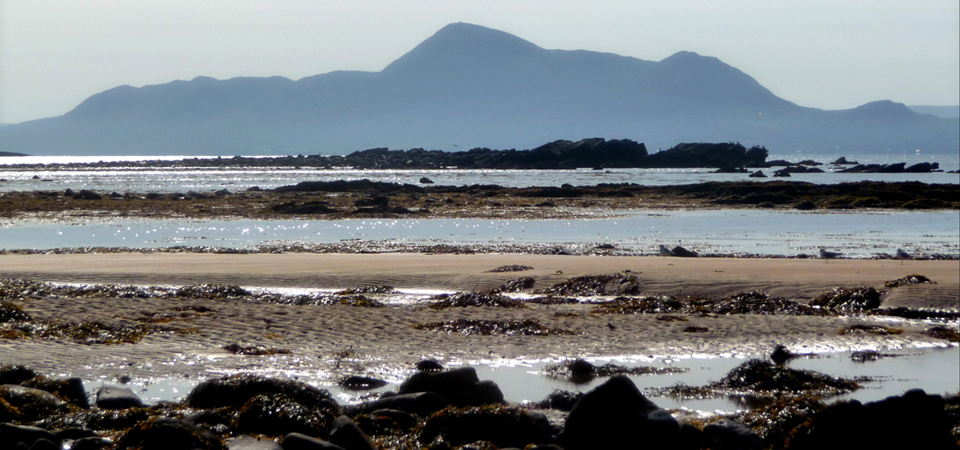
(378, 341)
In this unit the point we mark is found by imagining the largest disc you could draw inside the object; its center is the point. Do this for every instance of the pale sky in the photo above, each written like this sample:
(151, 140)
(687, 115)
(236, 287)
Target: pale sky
(829, 54)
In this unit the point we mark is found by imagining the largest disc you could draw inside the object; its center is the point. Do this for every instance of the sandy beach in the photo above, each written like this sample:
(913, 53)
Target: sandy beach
(338, 339)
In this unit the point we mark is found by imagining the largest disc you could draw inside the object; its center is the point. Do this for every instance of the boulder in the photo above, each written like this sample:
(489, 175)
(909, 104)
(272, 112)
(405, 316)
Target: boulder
(162, 433)
(25, 434)
(115, 397)
(503, 426)
(912, 420)
(31, 404)
(460, 386)
(70, 389)
(758, 174)
(278, 414)
(617, 415)
(683, 253)
(419, 403)
(345, 433)
(726, 434)
(15, 374)
(236, 390)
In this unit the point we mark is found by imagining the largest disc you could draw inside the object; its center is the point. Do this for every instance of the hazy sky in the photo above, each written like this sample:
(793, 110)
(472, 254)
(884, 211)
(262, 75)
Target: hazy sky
(828, 54)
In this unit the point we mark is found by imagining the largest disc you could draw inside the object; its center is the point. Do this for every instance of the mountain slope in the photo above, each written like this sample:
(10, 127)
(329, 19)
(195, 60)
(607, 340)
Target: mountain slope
(471, 86)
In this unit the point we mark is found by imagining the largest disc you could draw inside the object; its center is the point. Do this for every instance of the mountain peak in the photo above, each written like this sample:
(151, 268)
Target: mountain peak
(463, 45)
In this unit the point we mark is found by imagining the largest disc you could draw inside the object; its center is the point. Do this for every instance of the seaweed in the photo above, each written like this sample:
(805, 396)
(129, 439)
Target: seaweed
(881, 330)
(473, 327)
(908, 280)
(580, 369)
(464, 299)
(511, 268)
(849, 300)
(255, 350)
(942, 332)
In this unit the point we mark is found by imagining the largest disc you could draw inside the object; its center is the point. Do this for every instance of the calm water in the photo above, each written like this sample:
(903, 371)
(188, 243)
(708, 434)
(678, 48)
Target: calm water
(136, 179)
(936, 370)
(713, 231)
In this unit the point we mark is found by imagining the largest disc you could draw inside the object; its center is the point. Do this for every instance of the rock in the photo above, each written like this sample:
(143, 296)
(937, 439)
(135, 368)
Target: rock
(31, 404)
(86, 194)
(781, 173)
(115, 397)
(297, 441)
(345, 433)
(503, 426)
(15, 374)
(44, 444)
(460, 386)
(162, 433)
(849, 299)
(236, 390)
(911, 420)
(758, 174)
(278, 414)
(683, 253)
(425, 180)
(613, 415)
(419, 403)
(428, 365)
(726, 434)
(360, 383)
(561, 400)
(843, 161)
(90, 443)
(780, 355)
(26, 434)
(70, 389)
(805, 206)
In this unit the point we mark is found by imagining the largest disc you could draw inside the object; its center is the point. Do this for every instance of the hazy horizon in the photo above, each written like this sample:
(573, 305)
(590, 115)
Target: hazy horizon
(828, 55)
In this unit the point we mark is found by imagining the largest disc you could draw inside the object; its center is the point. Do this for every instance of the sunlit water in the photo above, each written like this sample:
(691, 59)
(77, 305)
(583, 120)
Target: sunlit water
(936, 370)
(758, 232)
(138, 179)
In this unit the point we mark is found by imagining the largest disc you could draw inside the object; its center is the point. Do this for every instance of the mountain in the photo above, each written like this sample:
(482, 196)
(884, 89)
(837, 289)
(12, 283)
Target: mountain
(943, 112)
(470, 86)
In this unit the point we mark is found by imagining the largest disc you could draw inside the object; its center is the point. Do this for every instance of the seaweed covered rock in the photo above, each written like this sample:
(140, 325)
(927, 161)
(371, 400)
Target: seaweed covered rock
(912, 420)
(278, 414)
(504, 426)
(345, 433)
(617, 415)
(236, 390)
(615, 284)
(15, 374)
(464, 299)
(849, 300)
(760, 375)
(461, 387)
(70, 389)
(30, 404)
(419, 403)
(161, 433)
(12, 435)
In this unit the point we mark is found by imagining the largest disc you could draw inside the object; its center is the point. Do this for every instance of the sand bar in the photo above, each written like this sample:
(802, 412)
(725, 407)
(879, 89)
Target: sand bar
(796, 279)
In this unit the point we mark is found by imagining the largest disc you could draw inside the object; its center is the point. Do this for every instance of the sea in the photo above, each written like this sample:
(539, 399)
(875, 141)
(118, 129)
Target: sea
(776, 233)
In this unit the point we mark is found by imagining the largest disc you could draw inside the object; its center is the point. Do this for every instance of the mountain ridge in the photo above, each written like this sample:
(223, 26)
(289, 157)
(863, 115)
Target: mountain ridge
(471, 86)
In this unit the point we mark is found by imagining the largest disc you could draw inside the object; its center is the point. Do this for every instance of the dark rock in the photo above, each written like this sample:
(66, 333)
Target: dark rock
(70, 389)
(428, 365)
(611, 415)
(460, 386)
(849, 299)
(345, 433)
(297, 441)
(923, 167)
(561, 400)
(805, 206)
(31, 404)
(780, 355)
(912, 420)
(683, 253)
(114, 397)
(15, 374)
(760, 375)
(758, 174)
(86, 194)
(502, 425)
(278, 414)
(691, 437)
(781, 173)
(360, 383)
(425, 180)
(419, 403)
(843, 161)
(75, 433)
(90, 443)
(162, 433)
(235, 390)
(26, 434)
(44, 444)
(707, 155)
(726, 434)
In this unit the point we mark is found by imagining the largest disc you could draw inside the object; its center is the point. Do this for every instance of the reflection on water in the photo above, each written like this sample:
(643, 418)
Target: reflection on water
(134, 178)
(758, 232)
(935, 370)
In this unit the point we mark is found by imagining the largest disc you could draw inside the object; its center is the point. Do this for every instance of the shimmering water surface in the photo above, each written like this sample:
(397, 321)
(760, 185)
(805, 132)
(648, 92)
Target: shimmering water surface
(936, 370)
(759, 232)
(134, 178)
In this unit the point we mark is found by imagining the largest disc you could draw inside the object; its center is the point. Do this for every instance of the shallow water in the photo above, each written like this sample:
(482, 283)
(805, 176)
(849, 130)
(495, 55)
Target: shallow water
(754, 232)
(138, 179)
(935, 370)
